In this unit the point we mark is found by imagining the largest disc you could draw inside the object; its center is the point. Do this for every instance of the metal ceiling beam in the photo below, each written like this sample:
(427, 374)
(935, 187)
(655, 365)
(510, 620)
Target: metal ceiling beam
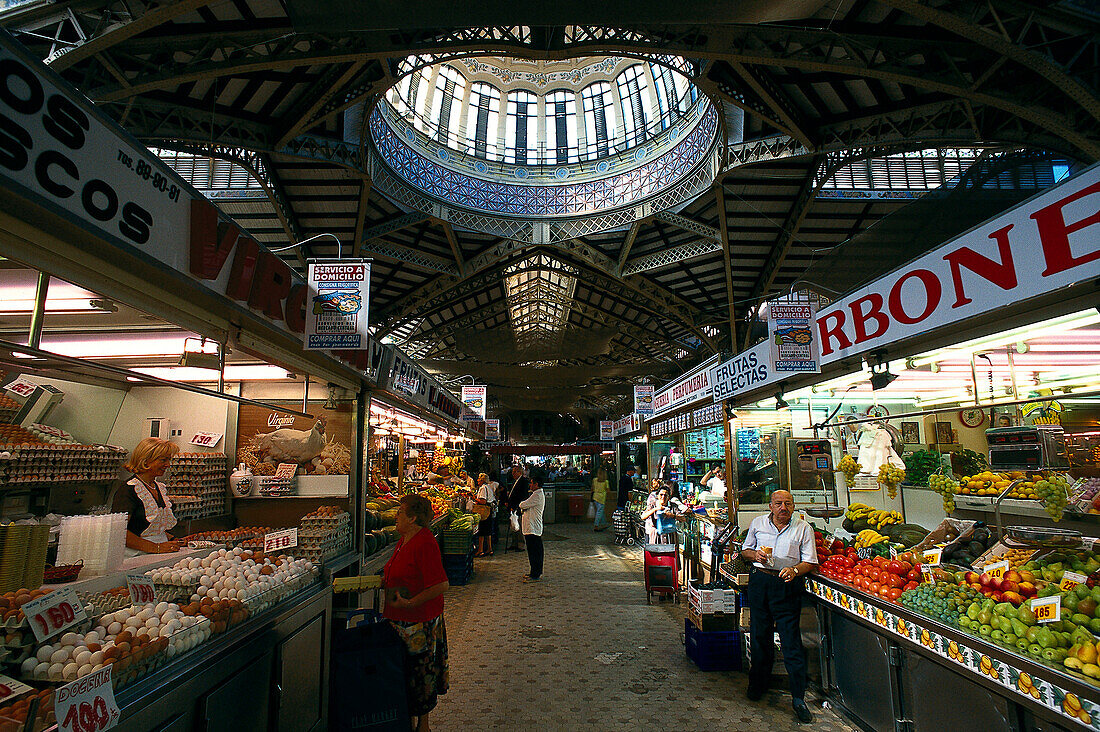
(723, 225)
(324, 89)
(773, 96)
(674, 255)
(695, 227)
(361, 210)
(456, 250)
(787, 234)
(628, 244)
(400, 253)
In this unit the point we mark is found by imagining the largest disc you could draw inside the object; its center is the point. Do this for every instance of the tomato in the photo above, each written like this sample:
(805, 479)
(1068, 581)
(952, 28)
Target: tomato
(905, 567)
(894, 567)
(880, 562)
(893, 594)
(874, 574)
(875, 587)
(913, 575)
(909, 586)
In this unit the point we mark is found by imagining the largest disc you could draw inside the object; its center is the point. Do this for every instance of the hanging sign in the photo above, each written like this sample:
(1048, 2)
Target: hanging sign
(745, 371)
(87, 704)
(792, 338)
(337, 306)
(607, 430)
(473, 398)
(492, 430)
(643, 400)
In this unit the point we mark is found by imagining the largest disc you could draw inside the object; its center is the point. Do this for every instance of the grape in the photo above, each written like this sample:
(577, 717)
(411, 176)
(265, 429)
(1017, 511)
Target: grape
(946, 487)
(890, 475)
(1053, 495)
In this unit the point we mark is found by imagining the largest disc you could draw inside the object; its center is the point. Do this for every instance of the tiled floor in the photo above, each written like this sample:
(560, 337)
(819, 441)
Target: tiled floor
(581, 650)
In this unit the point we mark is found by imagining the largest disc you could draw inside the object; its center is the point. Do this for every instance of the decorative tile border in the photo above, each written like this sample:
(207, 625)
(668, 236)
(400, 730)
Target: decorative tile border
(1084, 712)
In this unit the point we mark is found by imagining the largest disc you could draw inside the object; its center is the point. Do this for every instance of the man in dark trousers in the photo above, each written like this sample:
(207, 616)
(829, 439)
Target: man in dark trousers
(626, 484)
(519, 488)
(781, 549)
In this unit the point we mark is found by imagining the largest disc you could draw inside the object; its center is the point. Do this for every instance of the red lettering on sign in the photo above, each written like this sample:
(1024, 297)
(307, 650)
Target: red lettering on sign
(831, 326)
(296, 308)
(1002, 274)
(244, 269)
(860, 318)
(1054, 233)
(271, 285)
(211, 240)
(932, 292)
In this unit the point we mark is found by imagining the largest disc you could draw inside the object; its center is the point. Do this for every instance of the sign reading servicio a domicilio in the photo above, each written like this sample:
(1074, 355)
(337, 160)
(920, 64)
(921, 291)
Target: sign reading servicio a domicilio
(337, 305)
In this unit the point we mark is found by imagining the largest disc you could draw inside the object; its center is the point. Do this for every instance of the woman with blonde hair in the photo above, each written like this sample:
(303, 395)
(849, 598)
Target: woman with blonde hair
(146, 499)
(600, 487)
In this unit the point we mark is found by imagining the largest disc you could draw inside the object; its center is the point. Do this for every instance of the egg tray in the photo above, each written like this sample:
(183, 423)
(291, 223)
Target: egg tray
(26, 638)
(165, 592)
(103, 603)
(322, 533)
(324, 523)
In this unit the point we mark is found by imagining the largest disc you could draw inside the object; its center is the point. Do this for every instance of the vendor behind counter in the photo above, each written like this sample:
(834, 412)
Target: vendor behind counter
(145, 498)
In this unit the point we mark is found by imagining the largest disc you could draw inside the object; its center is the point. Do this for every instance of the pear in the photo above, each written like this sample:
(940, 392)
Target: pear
(1087, 653)
(1091, 670)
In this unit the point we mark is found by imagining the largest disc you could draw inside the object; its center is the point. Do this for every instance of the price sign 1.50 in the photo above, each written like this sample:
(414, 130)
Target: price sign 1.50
(87, 704)
(141, 589)
(52, 613)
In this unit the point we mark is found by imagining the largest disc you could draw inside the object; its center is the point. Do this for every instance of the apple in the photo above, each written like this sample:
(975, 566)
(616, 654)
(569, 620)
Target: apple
(986, 580)
(1013, 576)
(1008, 585)
(1027, 589)
(977, 586)
(1014, 597)
(972, 577)
(997, 596)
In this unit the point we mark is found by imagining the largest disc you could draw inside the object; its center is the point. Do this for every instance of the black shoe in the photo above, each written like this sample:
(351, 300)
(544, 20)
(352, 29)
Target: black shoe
(802, 711)
(755, 693)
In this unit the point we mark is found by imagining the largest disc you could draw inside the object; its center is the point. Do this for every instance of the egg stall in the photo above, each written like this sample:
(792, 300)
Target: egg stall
(111, 332)
(961, 417)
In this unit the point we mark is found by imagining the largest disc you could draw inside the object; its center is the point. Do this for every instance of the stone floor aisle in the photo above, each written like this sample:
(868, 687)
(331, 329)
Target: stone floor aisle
(581, 650)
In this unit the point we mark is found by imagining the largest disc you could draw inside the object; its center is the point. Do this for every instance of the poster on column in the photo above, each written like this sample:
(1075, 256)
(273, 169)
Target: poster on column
(794, 343)
(492, 430)
(643, 400)
(607, 430)
(336, 311)
(473, 398)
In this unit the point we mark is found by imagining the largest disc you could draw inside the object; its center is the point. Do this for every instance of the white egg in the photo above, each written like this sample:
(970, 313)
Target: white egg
(133, 623)
(170, 652)
(142, 631)
(27, 667)
(196, 597)
(99, 630)
(82, 657)
(161, 608)
(114, 628)
(84, 670)
(69, 672)
(70, 639)
(45, 652)
(231, 594)
(153, 622)
(61, 655)
(96, 667)
(97, 658)
(145, 614)
(42, 671)
(170, 627)
(93, 636)
(219, 586)
(55, 673)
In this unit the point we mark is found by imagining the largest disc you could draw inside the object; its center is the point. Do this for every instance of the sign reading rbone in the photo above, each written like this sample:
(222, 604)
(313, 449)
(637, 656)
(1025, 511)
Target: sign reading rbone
(1048, 242)
(338, 304)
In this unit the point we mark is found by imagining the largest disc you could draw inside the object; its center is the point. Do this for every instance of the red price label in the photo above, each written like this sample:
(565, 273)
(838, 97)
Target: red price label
(87, 704)
(22, 387)
(141, 589)
(10, 688)
(52, 613)
(280, 540)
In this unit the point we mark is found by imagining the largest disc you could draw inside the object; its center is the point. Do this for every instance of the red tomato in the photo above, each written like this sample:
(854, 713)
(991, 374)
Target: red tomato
(874, 574)
(910, 586)
(894, 567)
(905, 567)
(893, 594)
(913, 575)
(847, 562)
(880, 562)
(875, 587)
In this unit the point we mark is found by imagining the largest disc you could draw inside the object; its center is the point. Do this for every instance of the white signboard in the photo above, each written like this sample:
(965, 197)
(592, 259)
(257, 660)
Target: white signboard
(794, 342)
(492, 430)
(337, 305)
(10, 688)
(643, 400)
(1045, 243)
(50, 614)
(87, 704)
(206, 439)
(744, 372)
(473, 397)
(607, 429)
(22, 387)
(625, 425)
(690, 388)
(278, 541)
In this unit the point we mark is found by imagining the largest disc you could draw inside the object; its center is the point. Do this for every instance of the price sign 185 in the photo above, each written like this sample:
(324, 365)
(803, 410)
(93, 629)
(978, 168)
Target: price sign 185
(1047, 609)
(52, 613)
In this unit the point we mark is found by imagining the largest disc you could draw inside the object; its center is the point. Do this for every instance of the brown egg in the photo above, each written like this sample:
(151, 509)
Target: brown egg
(218, 626)
(110, 654)
(124, 637)
(123, 648)
(5, 603)
(93, 647)
(267, 569)
(123, 663)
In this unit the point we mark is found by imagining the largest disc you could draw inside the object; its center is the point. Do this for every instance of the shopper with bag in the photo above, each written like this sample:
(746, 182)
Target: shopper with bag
(485, 506)
(662, 517)
(415, 581)
(600, 485)
(521, 488)
(531, 520)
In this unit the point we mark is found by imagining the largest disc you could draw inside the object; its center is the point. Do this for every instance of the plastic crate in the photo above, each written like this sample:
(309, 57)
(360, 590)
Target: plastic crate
(456, 542)
(460, 577)
(454, 562)
(718, 651)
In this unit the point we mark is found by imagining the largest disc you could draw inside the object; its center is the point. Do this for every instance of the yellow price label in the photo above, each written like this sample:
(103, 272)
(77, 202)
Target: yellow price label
(1047, 609)
(1070, 580)
(931, 557)
(996, 570)
(926, 573)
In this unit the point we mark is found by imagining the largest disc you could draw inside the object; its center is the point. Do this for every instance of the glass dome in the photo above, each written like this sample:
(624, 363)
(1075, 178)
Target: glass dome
(498, 144)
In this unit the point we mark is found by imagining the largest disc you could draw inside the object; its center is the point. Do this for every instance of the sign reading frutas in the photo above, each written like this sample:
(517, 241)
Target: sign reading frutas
(336, 312)
(791, 331)
(278, 541)
(643, 400)
(492, 430)
(607, 430)
(87, 704)
(473, 398)
(747, 370)
(50, 614)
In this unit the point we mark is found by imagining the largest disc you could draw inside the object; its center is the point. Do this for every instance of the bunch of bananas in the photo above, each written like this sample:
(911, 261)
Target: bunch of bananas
(877, 517)
(868, 537)
(890, 476)
(850, 467)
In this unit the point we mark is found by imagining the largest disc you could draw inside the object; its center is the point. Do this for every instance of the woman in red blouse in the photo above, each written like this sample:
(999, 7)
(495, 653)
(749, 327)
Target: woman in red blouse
(415, 580)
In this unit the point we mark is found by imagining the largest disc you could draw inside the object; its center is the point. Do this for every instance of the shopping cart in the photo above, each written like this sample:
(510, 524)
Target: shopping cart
(621, 522)
(662, 571)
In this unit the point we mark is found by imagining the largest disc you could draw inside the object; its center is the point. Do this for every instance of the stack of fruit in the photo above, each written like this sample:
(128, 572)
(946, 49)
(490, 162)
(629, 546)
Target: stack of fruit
(1053, 494)
(985, 483)
(859, 516)
(967, 551)
(869, 537)
(889, 476)
(943, 600)
(947, 487)
(850, 467)
(920, 465)
(1085, 497)
(1013, 587)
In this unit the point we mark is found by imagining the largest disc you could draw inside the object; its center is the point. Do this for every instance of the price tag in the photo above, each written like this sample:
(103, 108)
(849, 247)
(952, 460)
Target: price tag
(931, 557)
(996, 570)
(22, 387)
(87, 704)
(280, 540)
(1070, 580)
(893, 552)
(10, 688)
(286, 471)
(927, 575)
(865, 552)
(52, 613)
(141, 589)
(1047, 609)
(206, 439)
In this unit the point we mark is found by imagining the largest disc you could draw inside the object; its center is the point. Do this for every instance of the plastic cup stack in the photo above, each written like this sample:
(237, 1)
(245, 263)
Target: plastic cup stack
(98, 541)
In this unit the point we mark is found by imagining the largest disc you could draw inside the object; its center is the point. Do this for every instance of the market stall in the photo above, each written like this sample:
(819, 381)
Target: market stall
(134, 320)
(568, 487)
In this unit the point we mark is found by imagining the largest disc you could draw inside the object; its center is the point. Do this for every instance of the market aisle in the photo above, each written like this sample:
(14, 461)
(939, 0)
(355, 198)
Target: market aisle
(582, 650)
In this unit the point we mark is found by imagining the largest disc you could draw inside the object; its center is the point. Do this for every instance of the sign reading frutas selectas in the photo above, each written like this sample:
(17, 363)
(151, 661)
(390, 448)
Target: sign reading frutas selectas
(643, 400)
(747, 370)
(492, 430)
(473, 398)
(794, 343)
(607, 430)
(336, 311)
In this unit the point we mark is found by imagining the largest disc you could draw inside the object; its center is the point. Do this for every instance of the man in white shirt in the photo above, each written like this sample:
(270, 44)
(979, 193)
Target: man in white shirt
(781, 549)
(531, 523)
(714, 482)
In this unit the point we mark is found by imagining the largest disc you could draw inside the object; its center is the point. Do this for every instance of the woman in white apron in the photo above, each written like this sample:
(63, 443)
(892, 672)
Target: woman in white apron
(146, 499)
